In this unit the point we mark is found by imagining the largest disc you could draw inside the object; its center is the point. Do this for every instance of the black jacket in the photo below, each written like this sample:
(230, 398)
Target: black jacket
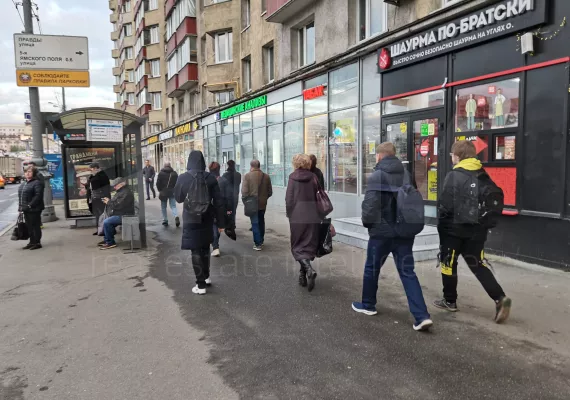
(99, 186)
(200, 235)
(320, 177)
(379, 205)
(123, 203)
(31, 195)
(166, 182)
(447, 204)
(229, 186)
(149, 173)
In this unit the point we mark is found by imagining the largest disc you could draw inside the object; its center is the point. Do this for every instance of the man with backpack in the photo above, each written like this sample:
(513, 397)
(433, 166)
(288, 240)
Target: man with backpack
(393, 212)
(200, 193)
(165, 184)
(255, 191)
(468, 206)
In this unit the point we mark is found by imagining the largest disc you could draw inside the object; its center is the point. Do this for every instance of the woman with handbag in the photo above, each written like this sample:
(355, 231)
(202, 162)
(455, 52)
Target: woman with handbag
(98, 187)
(165, 184)
(304, 217)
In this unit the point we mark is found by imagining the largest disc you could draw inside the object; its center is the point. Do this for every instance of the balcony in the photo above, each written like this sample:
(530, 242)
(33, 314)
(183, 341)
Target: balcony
(168, 7)
(142, 84)
(140, 28)
(112, 5)
(116, 71)
(124, 105)
(136, 7)
(144, 110)
(281, 11)
(115, 53)
(115, 35)
(114, 17)
(128, 87)
(187, 27)
(184, 80)
(117, 105)
(140, 57)
(117, 88)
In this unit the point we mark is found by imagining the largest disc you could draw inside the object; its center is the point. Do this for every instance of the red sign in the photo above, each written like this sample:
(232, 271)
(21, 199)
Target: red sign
(384, 60)
(313, 93)
(492, 89)
(481, 102)
(480, 144)
(424, 148)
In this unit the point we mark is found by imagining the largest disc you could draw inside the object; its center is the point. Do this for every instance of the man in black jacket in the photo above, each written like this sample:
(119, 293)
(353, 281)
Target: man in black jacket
(98, 187)
(31, 196)
(229, 185)
(148, 175)
(379, 216)
(165, 184)
(122, 204)
(457, 238)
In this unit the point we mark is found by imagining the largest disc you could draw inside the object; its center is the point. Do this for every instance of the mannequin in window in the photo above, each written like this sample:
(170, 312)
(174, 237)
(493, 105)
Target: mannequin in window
(499, 112)
(471, 110)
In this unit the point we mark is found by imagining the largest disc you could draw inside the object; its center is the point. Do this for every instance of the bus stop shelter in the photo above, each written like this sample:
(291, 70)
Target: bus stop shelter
(109, 137)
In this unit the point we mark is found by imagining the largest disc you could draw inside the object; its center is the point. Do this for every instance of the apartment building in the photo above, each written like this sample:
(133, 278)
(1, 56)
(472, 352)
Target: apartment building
(14, 137)
(139, 29)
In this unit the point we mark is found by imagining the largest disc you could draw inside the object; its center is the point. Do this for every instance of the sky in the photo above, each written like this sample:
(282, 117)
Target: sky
(58, 17)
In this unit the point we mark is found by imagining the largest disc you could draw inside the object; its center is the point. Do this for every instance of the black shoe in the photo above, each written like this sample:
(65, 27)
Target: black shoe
(311, 274)
(165, 223)
(35, 246)
(148, 198)
(445, 305)
(96, 233)
(101, 243)
(27, 247)
(303, 276)
(503, 309)
(177, 219)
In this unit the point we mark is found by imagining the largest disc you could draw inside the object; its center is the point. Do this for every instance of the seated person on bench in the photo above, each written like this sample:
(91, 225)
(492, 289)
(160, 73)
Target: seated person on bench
(122, 204)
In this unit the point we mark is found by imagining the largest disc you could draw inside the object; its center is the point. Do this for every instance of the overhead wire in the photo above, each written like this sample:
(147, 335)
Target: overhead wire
(18, 11)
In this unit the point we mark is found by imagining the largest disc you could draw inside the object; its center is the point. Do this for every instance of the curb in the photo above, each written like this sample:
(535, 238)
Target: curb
(10, 226)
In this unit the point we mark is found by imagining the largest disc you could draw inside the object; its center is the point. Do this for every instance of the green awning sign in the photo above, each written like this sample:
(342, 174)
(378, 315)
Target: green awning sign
(249, 105)
(424, 129)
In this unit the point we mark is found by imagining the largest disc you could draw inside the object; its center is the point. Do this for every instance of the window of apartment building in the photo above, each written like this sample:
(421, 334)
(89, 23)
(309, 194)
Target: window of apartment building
(139, 45)
(184, 8)
(143, 98)
(156, 100)
(131, 75)
(246, 71)
(371, 18)
(186, 52)
(172, 67)
(127, 6)
(155, 68)
(139, 72)
(117, 80)
(128, 29)
(139, 17)
(203, 49)
(130, 53)
(181, 109)
(269, 63)
(131, 99)
(173, 109)
(119, 97)
(224, 97)
(117, 62)
(153, 5)
(155, 128)
(223, 47)
(307, 45)
(245, 13)
(115, 43)
(154, 36)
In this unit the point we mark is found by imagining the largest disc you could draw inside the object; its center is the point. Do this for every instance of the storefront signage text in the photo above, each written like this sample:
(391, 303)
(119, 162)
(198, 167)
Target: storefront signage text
(506, 17)
(243, 107)
(183, 129)
(313, 93)
(153, 139)
(165, 135)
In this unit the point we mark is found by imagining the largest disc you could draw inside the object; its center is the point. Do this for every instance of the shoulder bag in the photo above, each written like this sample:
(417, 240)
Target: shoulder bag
(251, 203)
(324, 204)
(21, 230)
(167, 192)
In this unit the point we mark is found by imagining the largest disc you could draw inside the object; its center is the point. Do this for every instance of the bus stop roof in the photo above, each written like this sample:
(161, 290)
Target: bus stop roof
(77, 118)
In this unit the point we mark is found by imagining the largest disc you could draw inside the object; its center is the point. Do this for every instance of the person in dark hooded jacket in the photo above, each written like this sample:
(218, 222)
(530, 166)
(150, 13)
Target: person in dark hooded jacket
(165, 184)
(31, 203)
(98, 187)
(379, 216)
(304, 218)
(197, 234)
(229, 185)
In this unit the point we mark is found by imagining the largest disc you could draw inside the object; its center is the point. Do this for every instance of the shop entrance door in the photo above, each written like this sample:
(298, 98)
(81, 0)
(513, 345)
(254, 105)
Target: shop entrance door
(416, 137)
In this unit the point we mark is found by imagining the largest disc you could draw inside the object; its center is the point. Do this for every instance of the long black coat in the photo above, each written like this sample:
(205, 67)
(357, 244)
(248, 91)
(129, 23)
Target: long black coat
(199, 235)
(98, 187)
(229, 185)
(31, 196)
(166, 182)
(304, 219)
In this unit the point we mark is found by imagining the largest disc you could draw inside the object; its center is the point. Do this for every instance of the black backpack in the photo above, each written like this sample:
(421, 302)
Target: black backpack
(409, 211)
(479, 201)
(198, 199)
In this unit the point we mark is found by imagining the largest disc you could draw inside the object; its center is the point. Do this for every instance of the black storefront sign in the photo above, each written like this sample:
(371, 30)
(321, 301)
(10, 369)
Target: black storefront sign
(504, 18)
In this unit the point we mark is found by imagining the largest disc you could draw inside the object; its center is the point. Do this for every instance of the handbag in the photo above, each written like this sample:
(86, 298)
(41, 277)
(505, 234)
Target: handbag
(325, 238)
(324, 204)
(167, 192)
(251, 203)
(21, 230)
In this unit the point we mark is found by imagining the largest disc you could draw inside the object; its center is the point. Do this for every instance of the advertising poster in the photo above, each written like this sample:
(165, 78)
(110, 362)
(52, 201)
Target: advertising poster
(55, 168)
(78, 173)
(432, 185)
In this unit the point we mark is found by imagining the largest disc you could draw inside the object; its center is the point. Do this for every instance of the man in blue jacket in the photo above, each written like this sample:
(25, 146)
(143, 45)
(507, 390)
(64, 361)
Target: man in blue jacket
(379, 216)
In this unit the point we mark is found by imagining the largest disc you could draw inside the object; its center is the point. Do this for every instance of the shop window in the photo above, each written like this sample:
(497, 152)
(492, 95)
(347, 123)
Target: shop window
(275, 114)
(490, 106)
(293, 108)
(245, 122)
(413, 103)
(481, 143)
(228, 125)
(344, 87)
(259, 118)
(370, 90)
(505, 148)
(371, 18)
(275, 154)
(370, 139)
(246, 150)
(211, 130)
(218, 128)
(306, 44)
(293, 144)
(316, 132)
(259, 145)
(315, 95)
(398, 135)
(237, 147)
(426, 134)
(343, 150)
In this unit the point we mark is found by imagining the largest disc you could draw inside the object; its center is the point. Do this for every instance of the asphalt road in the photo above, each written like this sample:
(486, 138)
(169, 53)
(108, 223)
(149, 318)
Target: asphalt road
(8, 206)
(271, 339)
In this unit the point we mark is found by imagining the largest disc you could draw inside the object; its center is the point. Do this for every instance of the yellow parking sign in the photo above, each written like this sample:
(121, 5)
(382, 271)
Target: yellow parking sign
(52, 78)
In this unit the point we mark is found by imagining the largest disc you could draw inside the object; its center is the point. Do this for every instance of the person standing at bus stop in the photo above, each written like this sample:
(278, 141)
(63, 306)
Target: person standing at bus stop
(149, 174)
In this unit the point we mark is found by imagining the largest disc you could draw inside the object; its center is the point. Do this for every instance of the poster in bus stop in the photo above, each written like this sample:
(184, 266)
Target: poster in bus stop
(77, 175)
(55, 167)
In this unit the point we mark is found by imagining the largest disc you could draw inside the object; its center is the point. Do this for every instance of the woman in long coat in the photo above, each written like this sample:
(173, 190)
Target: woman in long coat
(304, 219)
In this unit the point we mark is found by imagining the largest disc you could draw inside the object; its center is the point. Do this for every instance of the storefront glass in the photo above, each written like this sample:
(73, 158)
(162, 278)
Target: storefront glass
(228, 126)
(245, 122)
(343, 150)
(275, 114)
(319, 103)
(237, 147)
(316, 132)
(259, 118)
(370, 82)
(370, 139)
(505, 148)
(246, 150)
(275, 154)
(398, 134)
(293, 144)
(259, 145)
(293, 108)
(426, 134)
(344, 87)
(412, 103)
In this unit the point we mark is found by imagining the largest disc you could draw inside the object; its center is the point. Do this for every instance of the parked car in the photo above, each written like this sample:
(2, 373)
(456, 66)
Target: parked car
(2, 181)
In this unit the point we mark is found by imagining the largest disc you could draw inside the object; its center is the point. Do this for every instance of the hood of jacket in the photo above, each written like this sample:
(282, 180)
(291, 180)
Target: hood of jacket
(388, 174)
(302, 175)
(168, 170)
(196, 161)
(469, 164)
(390, 165)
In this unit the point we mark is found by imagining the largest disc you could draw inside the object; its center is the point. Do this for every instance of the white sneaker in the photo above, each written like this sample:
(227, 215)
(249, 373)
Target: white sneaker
(216, 253)
(209, 282)
(424, 325)
(257, 248)
(197, 290)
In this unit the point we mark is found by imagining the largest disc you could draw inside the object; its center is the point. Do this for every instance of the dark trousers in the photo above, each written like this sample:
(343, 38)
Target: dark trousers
(34, 224)
(258, 227)
(474, 255)
(377, 253)
(201, 265)
(98, 208)
(216, 242)
(149, 188)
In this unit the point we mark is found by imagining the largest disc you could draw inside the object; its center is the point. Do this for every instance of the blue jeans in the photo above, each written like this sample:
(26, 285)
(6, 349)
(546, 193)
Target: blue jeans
(109, 226)
(163, 204)
(216, 242)
(471, 123)
(258, 227)
(377, 252)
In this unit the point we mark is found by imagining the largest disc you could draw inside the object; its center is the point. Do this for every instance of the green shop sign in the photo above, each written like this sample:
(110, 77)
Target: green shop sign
(243, 107)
